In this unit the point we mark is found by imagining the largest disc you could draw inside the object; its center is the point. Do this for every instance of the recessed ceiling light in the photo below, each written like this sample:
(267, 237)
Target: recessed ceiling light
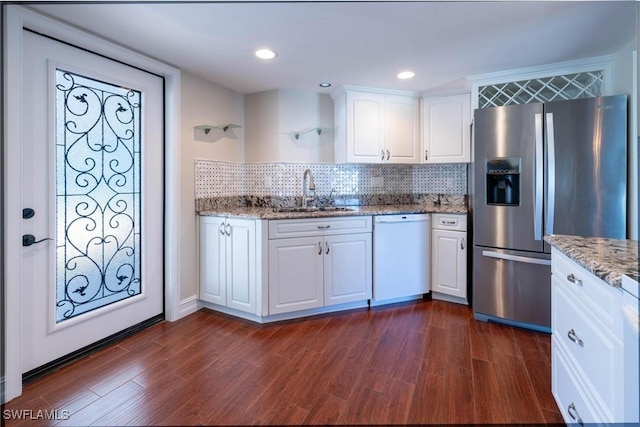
(265, 54)
(325, 84)
(405, 75)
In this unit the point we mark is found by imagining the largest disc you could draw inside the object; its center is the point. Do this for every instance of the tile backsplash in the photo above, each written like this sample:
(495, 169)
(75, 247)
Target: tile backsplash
(224, 179)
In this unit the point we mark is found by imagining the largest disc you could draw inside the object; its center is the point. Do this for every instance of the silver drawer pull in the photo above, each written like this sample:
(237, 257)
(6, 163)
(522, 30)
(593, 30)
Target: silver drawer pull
(571, 409)
(575, 338)
(324, 227)
(574, 279)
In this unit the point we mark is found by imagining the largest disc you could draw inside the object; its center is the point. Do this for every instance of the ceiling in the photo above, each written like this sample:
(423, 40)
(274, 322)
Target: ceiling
(357, 43)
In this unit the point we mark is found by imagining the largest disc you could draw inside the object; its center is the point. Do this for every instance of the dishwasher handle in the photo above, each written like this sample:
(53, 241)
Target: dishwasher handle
(390, 219)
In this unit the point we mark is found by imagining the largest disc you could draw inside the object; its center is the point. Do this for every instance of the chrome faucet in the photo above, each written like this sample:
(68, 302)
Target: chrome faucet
(312, 187)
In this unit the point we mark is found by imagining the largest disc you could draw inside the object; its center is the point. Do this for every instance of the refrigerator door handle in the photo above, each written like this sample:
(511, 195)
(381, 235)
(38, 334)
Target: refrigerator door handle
(551, 175)
(517, 258)
(538, 177)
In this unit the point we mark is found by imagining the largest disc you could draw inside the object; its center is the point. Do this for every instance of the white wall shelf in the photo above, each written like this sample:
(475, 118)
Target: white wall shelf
(224, 127)
(296, 134)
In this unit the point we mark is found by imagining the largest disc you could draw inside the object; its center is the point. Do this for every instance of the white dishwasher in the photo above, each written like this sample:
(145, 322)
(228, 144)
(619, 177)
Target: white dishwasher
(401, 257)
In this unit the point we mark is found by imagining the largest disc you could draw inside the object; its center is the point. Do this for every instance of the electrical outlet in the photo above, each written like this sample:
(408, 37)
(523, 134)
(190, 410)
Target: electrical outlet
(377, 181)
(450, 184)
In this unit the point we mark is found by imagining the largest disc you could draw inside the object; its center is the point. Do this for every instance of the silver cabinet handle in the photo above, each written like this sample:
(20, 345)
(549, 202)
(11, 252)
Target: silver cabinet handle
(426, 154)
(327, 248)
(382, 151)
(572, 408)
(222, 229)
(575, 338)
(324, 227)
(388, 154)
(319, 248)
(462, 243)
(228, 229)
(574, 279)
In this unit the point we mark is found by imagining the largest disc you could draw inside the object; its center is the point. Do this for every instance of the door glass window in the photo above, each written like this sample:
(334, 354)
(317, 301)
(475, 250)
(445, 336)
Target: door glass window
(97, 194)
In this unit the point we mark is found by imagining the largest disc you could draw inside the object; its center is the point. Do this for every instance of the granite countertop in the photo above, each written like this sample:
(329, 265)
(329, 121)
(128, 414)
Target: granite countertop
(269, 213)
(608, 259)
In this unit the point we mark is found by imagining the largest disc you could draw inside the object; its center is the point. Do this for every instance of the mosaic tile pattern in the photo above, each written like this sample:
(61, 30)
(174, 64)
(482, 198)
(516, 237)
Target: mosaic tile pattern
(223, 179)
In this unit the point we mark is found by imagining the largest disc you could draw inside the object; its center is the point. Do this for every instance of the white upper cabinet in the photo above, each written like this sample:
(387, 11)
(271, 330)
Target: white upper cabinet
(402, 129)
(446, 129)
(376, 127)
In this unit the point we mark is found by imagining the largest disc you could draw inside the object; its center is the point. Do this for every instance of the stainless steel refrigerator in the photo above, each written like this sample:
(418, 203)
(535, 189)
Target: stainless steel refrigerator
(553, 168)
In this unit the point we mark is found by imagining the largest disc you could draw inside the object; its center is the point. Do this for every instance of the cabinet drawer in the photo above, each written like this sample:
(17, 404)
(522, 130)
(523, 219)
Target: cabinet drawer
(286, 228)
(596, 352)
(450, 222)
(567, 391)
(601, 299)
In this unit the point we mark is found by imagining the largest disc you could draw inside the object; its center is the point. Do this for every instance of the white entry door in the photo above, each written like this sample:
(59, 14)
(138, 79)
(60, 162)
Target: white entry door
(92, 182)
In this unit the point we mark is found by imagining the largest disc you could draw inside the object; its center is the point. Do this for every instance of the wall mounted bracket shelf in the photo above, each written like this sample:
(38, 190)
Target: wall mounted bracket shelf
(298, 133)
(225, 127)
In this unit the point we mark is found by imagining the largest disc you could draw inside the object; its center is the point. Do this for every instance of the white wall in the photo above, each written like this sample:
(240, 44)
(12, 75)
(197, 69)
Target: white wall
(261, 129)
(272, 117)
(201, 103)
(301, 111)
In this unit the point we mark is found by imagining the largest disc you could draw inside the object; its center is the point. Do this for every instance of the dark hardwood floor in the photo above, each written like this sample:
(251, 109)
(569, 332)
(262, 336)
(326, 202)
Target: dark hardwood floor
(414, 363)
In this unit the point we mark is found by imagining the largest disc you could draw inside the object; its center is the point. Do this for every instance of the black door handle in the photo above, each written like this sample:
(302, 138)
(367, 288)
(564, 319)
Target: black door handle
(30, 239)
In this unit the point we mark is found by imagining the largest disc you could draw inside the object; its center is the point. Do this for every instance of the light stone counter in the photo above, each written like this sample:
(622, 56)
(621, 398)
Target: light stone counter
(271, 213)
(608, 259)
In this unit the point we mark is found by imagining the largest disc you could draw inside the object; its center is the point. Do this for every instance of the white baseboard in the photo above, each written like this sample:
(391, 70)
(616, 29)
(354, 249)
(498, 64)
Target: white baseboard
(448, 298)
(376, 303)
(188, 306)
(284, 316)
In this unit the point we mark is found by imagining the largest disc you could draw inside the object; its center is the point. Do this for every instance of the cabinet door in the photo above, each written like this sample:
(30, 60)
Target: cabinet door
(347, 268)
(446, 131)
(295, 274)
(241, 265)
(402, 129)
(212, 260)
(449, 263)
(365, 127)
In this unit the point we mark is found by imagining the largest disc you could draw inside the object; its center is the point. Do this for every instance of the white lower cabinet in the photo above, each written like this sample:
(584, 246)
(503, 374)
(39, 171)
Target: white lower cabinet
(228, 262)
(586, 345)
(449, 256)
(295, 274)
(320, 269)
(347, 268)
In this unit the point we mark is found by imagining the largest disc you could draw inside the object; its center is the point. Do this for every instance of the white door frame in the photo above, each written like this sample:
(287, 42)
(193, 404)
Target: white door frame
(16, 19)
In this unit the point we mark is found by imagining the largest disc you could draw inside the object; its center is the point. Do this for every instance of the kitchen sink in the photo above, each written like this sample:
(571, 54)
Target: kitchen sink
(313, 209)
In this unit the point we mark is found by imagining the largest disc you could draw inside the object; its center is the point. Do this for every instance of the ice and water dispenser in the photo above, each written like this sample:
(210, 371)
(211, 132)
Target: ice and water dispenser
(503, 181)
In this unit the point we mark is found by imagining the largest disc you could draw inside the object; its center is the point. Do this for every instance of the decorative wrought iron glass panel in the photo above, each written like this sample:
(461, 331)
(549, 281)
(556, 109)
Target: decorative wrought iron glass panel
(556, 88)
(97, 194)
